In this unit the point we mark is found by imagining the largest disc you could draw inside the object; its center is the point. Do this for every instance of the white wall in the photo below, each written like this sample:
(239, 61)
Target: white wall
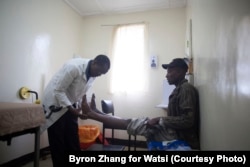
(166, 29)
(36, 38)
(221, 40)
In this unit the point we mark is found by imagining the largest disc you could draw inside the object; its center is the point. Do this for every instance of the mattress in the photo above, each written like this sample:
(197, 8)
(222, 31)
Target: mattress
(16, 117)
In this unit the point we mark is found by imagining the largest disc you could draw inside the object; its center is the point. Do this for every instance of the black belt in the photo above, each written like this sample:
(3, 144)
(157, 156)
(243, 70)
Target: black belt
(53, 109)
(74, 105)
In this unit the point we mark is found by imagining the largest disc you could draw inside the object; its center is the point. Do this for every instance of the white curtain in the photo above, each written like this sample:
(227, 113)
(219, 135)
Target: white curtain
(128, 71)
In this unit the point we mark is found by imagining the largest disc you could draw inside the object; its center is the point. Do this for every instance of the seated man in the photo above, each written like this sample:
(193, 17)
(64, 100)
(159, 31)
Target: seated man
(181, 122)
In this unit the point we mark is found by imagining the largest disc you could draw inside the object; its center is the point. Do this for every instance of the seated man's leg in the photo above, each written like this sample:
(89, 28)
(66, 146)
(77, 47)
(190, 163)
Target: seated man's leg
(135, 126)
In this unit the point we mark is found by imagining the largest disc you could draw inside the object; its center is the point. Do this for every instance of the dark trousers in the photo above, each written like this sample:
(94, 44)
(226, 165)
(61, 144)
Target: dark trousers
(63, 136)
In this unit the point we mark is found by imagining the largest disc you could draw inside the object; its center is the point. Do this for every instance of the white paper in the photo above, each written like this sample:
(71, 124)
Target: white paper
(167, 90)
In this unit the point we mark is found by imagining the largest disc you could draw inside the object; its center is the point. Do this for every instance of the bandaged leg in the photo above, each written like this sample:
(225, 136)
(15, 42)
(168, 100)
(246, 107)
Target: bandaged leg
(137, 126)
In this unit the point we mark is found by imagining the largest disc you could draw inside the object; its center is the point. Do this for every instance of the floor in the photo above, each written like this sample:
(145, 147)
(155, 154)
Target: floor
(47, 162)
(44, 162)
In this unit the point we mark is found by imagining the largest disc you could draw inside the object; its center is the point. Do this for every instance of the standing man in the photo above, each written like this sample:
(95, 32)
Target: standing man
(181, 122)
(62, 97)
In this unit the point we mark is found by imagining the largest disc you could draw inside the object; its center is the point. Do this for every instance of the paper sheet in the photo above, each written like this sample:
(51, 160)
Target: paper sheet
(167, 90)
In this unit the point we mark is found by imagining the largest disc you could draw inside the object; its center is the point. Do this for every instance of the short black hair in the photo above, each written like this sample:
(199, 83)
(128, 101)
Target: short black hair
(102, 60)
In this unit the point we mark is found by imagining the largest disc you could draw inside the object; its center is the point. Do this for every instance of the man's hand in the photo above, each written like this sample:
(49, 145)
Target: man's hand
(83, 116)
(73, 110)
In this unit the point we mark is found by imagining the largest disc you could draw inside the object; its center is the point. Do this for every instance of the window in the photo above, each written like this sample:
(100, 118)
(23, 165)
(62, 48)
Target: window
(128, 71)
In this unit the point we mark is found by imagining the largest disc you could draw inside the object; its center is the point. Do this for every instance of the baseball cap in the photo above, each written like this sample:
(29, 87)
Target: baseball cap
(177, 62)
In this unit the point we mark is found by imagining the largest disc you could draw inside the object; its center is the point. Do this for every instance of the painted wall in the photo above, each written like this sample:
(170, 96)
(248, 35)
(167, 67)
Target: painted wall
(166, 34)
(221, 40)
(36, 38)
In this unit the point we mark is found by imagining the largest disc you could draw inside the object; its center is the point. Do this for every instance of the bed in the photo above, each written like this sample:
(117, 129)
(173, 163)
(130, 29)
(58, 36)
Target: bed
(19, 119)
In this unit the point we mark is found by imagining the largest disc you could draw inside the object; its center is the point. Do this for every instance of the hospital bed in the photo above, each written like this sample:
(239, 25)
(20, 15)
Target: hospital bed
(21, 118)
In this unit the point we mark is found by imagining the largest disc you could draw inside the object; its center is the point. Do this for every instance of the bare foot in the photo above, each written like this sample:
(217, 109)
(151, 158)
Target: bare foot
(92, 103)
(85, 106)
